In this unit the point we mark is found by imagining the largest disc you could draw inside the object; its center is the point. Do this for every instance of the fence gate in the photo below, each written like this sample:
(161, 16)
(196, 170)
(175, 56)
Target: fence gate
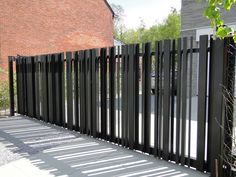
(106, 93)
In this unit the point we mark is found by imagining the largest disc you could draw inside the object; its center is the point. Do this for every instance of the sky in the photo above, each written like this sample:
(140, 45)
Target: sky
(150, 11)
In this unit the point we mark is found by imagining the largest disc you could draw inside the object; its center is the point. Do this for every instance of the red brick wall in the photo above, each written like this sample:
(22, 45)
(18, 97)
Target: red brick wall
(29, 27)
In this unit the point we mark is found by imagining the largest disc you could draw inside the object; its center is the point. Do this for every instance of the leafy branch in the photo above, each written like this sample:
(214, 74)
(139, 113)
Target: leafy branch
(213, 13)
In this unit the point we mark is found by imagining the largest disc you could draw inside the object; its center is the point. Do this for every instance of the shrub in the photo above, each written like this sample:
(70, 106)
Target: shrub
(4, 95)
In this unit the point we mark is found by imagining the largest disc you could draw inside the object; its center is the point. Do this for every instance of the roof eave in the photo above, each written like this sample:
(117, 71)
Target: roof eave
(108, 5)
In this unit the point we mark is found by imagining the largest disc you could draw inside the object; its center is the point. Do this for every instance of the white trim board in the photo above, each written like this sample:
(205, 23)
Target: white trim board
(208, 31)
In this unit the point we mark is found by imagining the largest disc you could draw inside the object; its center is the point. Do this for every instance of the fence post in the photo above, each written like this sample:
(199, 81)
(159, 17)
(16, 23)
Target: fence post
(146, 96)
(11, 84)
(131, 94)
(76, 89)
(82, 91)
(94, 72)
(219, 67)
(112, 109)
(166, 99)
(124, 103)
(104, 93)
(44, 78)
(36, 88)
(69, 90)
(202, 99)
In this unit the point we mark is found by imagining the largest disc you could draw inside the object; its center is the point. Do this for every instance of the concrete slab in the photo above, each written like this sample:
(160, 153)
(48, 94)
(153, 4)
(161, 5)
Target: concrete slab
(40, 149)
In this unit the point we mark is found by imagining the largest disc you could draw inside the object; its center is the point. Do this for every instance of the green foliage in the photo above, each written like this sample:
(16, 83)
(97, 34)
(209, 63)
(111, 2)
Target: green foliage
(2, 71)
(213, 13)
(4, 92)
(168, 29)
(4, 95)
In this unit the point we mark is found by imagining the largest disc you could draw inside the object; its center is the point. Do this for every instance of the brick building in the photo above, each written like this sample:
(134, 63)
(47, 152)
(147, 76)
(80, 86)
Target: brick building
(29, 27)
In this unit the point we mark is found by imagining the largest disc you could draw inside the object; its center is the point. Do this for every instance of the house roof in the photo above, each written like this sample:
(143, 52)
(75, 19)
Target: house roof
(108, 5)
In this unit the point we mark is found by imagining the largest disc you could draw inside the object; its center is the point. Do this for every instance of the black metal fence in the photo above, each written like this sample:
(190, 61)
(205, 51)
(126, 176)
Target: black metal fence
(106, 93)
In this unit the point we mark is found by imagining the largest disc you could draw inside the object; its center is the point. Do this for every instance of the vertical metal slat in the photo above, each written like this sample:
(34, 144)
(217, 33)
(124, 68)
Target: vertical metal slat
(147, 97)
(69, 90)
(178, 99)
(11, 85)
(112, 109)
(166, 101)
(202, 99)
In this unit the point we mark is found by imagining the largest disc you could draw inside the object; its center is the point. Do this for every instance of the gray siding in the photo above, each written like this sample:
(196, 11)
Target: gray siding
(192, 18)
(189, 33)
(192, 15)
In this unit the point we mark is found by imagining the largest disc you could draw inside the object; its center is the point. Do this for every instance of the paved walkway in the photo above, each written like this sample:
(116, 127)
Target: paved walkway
(31, 148)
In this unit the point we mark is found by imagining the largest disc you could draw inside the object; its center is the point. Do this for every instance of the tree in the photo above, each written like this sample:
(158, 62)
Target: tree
(168, 29)
(119, 26)
(171, 27)
(213, 13)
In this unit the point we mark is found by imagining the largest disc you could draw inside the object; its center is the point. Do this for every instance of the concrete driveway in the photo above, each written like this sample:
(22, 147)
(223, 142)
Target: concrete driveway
(33, 148)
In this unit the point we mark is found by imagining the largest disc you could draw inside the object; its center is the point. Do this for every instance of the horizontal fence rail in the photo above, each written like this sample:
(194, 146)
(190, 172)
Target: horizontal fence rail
(163, 99)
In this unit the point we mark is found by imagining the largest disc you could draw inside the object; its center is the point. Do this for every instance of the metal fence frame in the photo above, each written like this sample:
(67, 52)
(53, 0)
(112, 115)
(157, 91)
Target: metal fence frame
(43, 87)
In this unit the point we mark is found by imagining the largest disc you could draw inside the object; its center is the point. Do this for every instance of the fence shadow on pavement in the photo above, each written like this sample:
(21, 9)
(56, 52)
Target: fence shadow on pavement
(65, 153)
